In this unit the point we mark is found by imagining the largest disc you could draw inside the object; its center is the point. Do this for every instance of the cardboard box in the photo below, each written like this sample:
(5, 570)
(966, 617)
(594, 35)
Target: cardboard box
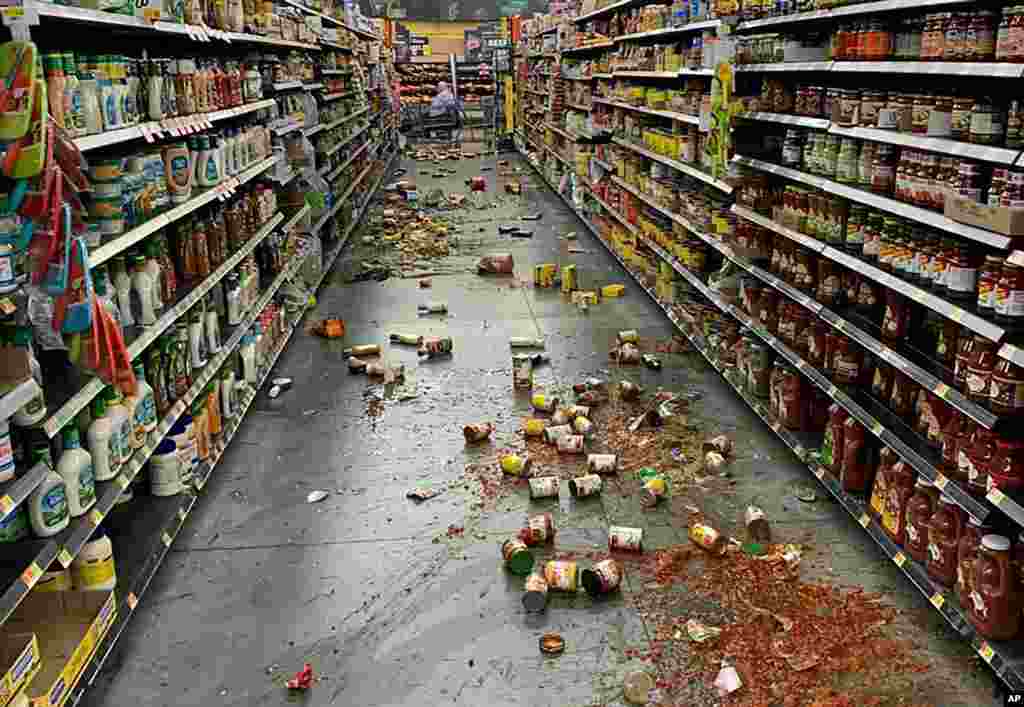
(69, 627)
(19, 657)
(1009, 222)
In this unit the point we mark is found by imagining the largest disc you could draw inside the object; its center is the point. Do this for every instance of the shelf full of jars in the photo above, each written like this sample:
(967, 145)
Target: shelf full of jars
(865, 238)
(164, 222)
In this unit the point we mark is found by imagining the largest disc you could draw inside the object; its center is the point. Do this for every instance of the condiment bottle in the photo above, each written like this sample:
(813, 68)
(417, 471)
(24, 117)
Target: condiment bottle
(979, 369)
(142, 292)
(856, 455)
(975, 459)
(1009, 298)
(880, 486)
(920, 508)
(901, 479)
(75, 467)
(1006, 470)
(967, 553)
(944, 531)
(832, 444)
(53, 65)
(995, 606)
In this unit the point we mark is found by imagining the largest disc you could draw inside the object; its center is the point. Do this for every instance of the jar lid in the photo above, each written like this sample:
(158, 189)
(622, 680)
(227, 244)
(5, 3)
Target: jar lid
(997, 543)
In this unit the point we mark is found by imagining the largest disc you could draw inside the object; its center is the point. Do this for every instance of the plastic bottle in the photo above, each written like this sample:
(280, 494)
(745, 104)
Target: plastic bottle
(75, 466)
(171, 107)
(142, 291)
(119, 84)
(102, 441)
(55, 80)
(183, 436)
(6, 452)
(196, 341)
(132, 107)
(93, 569)
(234, 300)
(15, 526)
(154, 91)
(208, 170)
(34, 410)
(178, 170)
(48, 506)
(247, 352)
(55, 579)
(108, 99)
(73, 118)
(165, 470)
(92, 114)
(123, 286)
(154, 270)
(227, 385)
(121, 421)
(99, 282)
(211, 329)
(145, 409)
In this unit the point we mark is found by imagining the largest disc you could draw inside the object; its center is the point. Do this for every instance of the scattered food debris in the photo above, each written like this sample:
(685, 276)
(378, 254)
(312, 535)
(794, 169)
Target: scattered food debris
(317, 496)
(303, 679)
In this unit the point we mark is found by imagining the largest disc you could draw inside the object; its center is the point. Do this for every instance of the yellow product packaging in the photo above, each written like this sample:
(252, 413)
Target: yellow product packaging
(613, 290)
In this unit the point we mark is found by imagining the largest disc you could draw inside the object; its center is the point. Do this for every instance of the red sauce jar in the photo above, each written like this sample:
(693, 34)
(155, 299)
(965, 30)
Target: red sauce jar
(952, 434)
(975, 460)
(919, 514)
(856, 460)
(901, 402)
(979, 369)
(1006, 391)
(830, 283)
(995, 604)
(832, 444)
(880, 486)
(787, 322)
(847, 362)
(967, 553)
(767, 310)
(791, 400)
(1006, 472)
(901, 480)
(944, 531)
(896, 316)
(881, 380)
(814, 343)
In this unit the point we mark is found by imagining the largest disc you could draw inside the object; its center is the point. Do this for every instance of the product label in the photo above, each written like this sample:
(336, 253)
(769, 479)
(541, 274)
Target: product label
(54, 506)
(86, 485)
(966, 466)
(94, 573)
(179, 170)
(892, 512)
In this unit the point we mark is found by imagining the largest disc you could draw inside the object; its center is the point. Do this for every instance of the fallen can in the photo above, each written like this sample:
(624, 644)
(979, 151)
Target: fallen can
(603, 578)
(583, 426)
(713, 462)
(517, 556)
(555, 433)
(651, 361)
(603, 463)
(560, 417)
(522, 371)
(544, 403)
(433, 308)
(516, 465)
(561, 575)
(654, 490)
(525, 342)
(707, 538)
(362, 350)
(535, 594)
(539, 530)
(578, 411)
(720, 444)
(408, 339)
(544, 274)
(534, 427)
(569, 282)
(623, 538)
(629, 390)
(551, 643)
(589, 485)
(356, 365)
(570, 444)
(478, 432)
(544, 487)
(380, 370)
(630, 336)
(435, 346)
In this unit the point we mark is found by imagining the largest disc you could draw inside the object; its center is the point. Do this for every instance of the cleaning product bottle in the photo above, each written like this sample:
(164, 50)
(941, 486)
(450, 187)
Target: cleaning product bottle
(247, 351)
(145, 410)
(132, 107)
(55, 579)
(142, 292)
(122, 423)
(227, 384)
(123, 286)
(102, 440)
(130, 403)
(234, 300)
(75, 466)
(34, 410)
(14, 527)
(93, 569)
(196, 341)
(165, 470)
(99, 282)
(73, 118)
(48, 506)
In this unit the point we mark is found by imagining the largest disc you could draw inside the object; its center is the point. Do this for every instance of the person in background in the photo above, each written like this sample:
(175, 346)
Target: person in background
(443, 101)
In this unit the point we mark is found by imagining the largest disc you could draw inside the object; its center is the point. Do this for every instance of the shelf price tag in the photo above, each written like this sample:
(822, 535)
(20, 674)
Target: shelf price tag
(122, 482)
(182, 513)
(64, 557)
(899, 558)
(95, 517)
(877, 429)
(31, 575)
(996, 496)
(942, 390)
(132, 600)
(986, 652)
(940, 482)
(165, 538)
(937, 600)
(6, 504)
(864, 520)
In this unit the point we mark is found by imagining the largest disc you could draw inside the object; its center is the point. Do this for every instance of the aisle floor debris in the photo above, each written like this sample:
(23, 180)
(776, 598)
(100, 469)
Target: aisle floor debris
(354, 534)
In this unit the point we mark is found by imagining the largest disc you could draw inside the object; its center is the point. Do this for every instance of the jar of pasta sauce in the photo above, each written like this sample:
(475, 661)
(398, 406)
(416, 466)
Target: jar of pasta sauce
(1006, 389)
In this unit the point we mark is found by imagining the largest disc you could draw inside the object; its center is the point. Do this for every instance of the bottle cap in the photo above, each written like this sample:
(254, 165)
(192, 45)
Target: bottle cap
(997, 543)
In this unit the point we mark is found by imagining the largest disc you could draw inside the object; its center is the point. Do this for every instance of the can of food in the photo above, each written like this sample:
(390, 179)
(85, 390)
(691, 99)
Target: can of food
(553, 434)
(435, 346)
(588, 485)
(603, 463)
(517, 556)
(603, 578)
(622, 538)
(516, 465)
(534, 427)
(356, 365)
(544, 487)
(544, 403)
(535, 593)
(522, 372)
(540, 529)
(654, 490)
(560, 417)
(706, 537)
(569, 278)
(477, 432)
(631, 336)
(560, 575)
(570, 444)
(629, 391)
(583, 426)
(544, 274)
(578, 411)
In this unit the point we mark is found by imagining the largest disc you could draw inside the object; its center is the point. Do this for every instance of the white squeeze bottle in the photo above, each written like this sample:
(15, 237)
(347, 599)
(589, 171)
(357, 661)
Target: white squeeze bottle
(145, 408)
(131, 403)
(48, 506)
(142, 291)
(153, 269)
(75, 467)
(93, 569)
(106, 457)
(122, 422)
(123, 287)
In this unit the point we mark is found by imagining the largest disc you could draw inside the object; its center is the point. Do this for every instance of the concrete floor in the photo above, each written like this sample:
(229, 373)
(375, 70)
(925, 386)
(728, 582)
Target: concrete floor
(367, 586)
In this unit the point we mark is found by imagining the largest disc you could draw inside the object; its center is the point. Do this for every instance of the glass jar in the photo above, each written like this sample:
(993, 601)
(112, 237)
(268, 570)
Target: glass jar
(987, 126)
(1015, 125)
(940, 119)
(871, 102)
(849, 102)
(856, 223)
(970, 180)
(955, 38)
(865, 165)
(980, 41)
(960, 124)
(883, 170)
(1003, 51)
(922, 109)
(933, 38)
(988, 276)
(1006, 391)
(1009, 297)
(846, 162)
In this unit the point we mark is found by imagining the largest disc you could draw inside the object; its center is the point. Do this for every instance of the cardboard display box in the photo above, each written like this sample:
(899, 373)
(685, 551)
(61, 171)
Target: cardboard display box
(69, 627)
(1009, 222)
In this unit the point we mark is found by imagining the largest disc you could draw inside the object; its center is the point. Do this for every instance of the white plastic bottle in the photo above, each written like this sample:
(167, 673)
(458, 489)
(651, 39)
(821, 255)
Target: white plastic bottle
(142, 292)
(227, 385)
(211, 329)
(145, 409)
(122, 422)
(34, 410)
(48, 506)
(93, 569)
(153, 269)
(75, 467)
(247, 351)
(123, 287)
(165, 470)
(106, 457)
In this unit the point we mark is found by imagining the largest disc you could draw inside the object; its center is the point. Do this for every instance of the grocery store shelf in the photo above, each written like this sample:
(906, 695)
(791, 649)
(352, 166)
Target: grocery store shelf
(340, 168)
(601, 76)
(978, 325)
(614, 214)
(846, 11)
(130, 238)
(329, 153)
(588, 48)
(682, 167)
(287, 85)
(339, 203)
(577, 78)
(295, 218)
(155, 129)
(311, 11)
(602, 164)
(670, 31)
(930, 68)
(801, 120)
(646, 74)
(576, 106)
(335, 72)
(787, 66)
(914, 213)
(672, 115)
(312, 86)
(655, 205)
(609, 9)
(999, 155)
(16, 398)
(362, 34)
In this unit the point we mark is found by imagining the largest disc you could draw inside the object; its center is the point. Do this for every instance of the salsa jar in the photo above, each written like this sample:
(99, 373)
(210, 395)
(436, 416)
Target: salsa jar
(814, 343)
(967, 553)
(900, 481)
(847, 362)
(871, 102)
(944, 531)
(980, 42)
(1006, 390)
(920, 509)
(829, 287)
(955, 431)
(791, 399)
(975, 460)
(960, 123)
(1009, 296)
(896, 316)
(881, 380)
(856, 457)
(987, 123)
(1006, 472)
(921, 110)
(766, 309)
(995, 602)
(978, 378)
(988, 276)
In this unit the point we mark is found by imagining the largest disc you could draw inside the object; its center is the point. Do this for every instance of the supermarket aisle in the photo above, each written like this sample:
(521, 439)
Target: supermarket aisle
(403, 604)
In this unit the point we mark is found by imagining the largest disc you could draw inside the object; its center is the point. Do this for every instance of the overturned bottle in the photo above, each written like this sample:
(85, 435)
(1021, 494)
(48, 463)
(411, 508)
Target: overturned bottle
(629, 390)
(435, 347)
(758, 528)
(407, 339)
(356, 365)
(362, 350)
(627, 354)
(522, 372)
(654, 486)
